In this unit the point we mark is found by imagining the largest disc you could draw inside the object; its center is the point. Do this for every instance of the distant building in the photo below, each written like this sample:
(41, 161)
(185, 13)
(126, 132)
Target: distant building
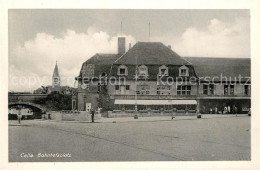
(55, 81)
(152, 76)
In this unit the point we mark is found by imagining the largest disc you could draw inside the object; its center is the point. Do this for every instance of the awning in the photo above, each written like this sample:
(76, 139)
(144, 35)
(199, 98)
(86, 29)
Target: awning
(156, 102)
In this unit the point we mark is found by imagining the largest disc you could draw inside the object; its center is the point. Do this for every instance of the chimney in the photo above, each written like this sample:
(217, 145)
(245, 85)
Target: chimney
(169, 46)
(130, 46)
(121, 45)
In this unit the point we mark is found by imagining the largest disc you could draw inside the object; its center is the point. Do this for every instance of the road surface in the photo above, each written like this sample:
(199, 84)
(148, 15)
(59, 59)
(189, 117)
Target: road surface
(226, 138)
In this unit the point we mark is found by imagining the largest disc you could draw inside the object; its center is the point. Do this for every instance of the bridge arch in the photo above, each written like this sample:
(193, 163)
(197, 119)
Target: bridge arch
(28, 104)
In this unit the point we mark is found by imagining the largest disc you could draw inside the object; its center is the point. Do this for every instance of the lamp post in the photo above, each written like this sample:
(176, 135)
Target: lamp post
(136, 77)
(198, 100)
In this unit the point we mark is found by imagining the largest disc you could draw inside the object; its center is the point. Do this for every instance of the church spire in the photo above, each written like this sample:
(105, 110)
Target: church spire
(56, 78)
(56, 71)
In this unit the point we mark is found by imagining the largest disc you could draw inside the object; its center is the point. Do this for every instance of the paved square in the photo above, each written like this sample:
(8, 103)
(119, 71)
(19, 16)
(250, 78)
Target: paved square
(146, 139)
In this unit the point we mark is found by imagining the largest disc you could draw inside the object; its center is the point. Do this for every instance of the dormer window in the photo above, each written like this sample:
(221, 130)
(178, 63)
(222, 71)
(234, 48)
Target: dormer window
(163, 70)
(122, 70)
(183, 71)
(143, 70)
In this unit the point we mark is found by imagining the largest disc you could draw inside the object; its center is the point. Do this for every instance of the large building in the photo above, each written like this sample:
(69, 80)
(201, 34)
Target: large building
(152, 76)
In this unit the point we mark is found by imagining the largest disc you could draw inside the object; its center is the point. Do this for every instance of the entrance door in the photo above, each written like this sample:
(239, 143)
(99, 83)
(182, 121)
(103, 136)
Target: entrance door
(88, 107)
(122, 89)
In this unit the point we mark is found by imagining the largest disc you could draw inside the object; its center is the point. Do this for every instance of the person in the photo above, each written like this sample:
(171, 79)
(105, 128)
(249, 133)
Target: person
(216, 110)
(92, 115)
(19, 116)
(228, 109)
(235, 110)
(225, 110)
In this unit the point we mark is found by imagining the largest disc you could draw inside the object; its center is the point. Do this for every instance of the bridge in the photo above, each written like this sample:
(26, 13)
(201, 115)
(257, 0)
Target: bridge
(32, 101)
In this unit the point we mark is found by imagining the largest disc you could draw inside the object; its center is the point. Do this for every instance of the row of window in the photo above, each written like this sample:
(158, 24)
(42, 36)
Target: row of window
(208, 89)
(146, 90)
(143, 71)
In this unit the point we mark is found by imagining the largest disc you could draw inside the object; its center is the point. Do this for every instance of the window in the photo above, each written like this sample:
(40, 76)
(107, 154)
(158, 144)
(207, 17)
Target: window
(211, 89)
(99, 87)
(163, 70)
(116, 89)
(163, 90)
(205, 89)
(225, 89)
(142, 89)
(208, 89)
(183, 90)
(122, 89)
(122, 70)
(229, 89)
(183, 71)
(232, 89)
(143, 70)
(246, 90)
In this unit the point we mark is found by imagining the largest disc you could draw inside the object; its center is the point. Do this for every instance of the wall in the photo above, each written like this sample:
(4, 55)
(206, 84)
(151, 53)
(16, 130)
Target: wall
(87, 97)
(81, 116)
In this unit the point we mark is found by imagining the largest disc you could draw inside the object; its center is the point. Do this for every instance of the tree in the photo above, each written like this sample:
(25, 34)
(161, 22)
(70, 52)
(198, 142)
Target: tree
(56, 101)
(104, 100)
(41, 90)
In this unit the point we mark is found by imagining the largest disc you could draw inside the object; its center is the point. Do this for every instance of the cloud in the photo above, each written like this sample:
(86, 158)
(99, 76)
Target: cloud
(36, 58)
(219, 39)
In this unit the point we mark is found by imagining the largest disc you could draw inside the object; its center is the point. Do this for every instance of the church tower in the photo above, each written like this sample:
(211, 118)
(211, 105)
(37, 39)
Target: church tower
(56, 79)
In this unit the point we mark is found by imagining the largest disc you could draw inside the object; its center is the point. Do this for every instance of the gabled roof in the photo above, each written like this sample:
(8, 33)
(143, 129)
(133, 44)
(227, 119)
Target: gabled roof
(214, 67)
(151, 53)
(56, 71)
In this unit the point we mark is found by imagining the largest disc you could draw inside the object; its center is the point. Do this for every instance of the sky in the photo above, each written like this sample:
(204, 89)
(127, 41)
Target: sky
(39, 38)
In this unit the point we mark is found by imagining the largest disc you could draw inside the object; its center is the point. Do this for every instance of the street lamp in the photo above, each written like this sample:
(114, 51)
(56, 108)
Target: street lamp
(136, 77)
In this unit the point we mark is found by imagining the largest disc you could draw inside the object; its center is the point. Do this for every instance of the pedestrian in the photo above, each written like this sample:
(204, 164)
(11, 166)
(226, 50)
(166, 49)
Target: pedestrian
(235, 110)
(228, 109)
(210, 111)
(92, 115)
(19, 116)
(225, 110)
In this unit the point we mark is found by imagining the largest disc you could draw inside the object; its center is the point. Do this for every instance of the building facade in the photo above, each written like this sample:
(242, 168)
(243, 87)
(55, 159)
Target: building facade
(152, 76)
